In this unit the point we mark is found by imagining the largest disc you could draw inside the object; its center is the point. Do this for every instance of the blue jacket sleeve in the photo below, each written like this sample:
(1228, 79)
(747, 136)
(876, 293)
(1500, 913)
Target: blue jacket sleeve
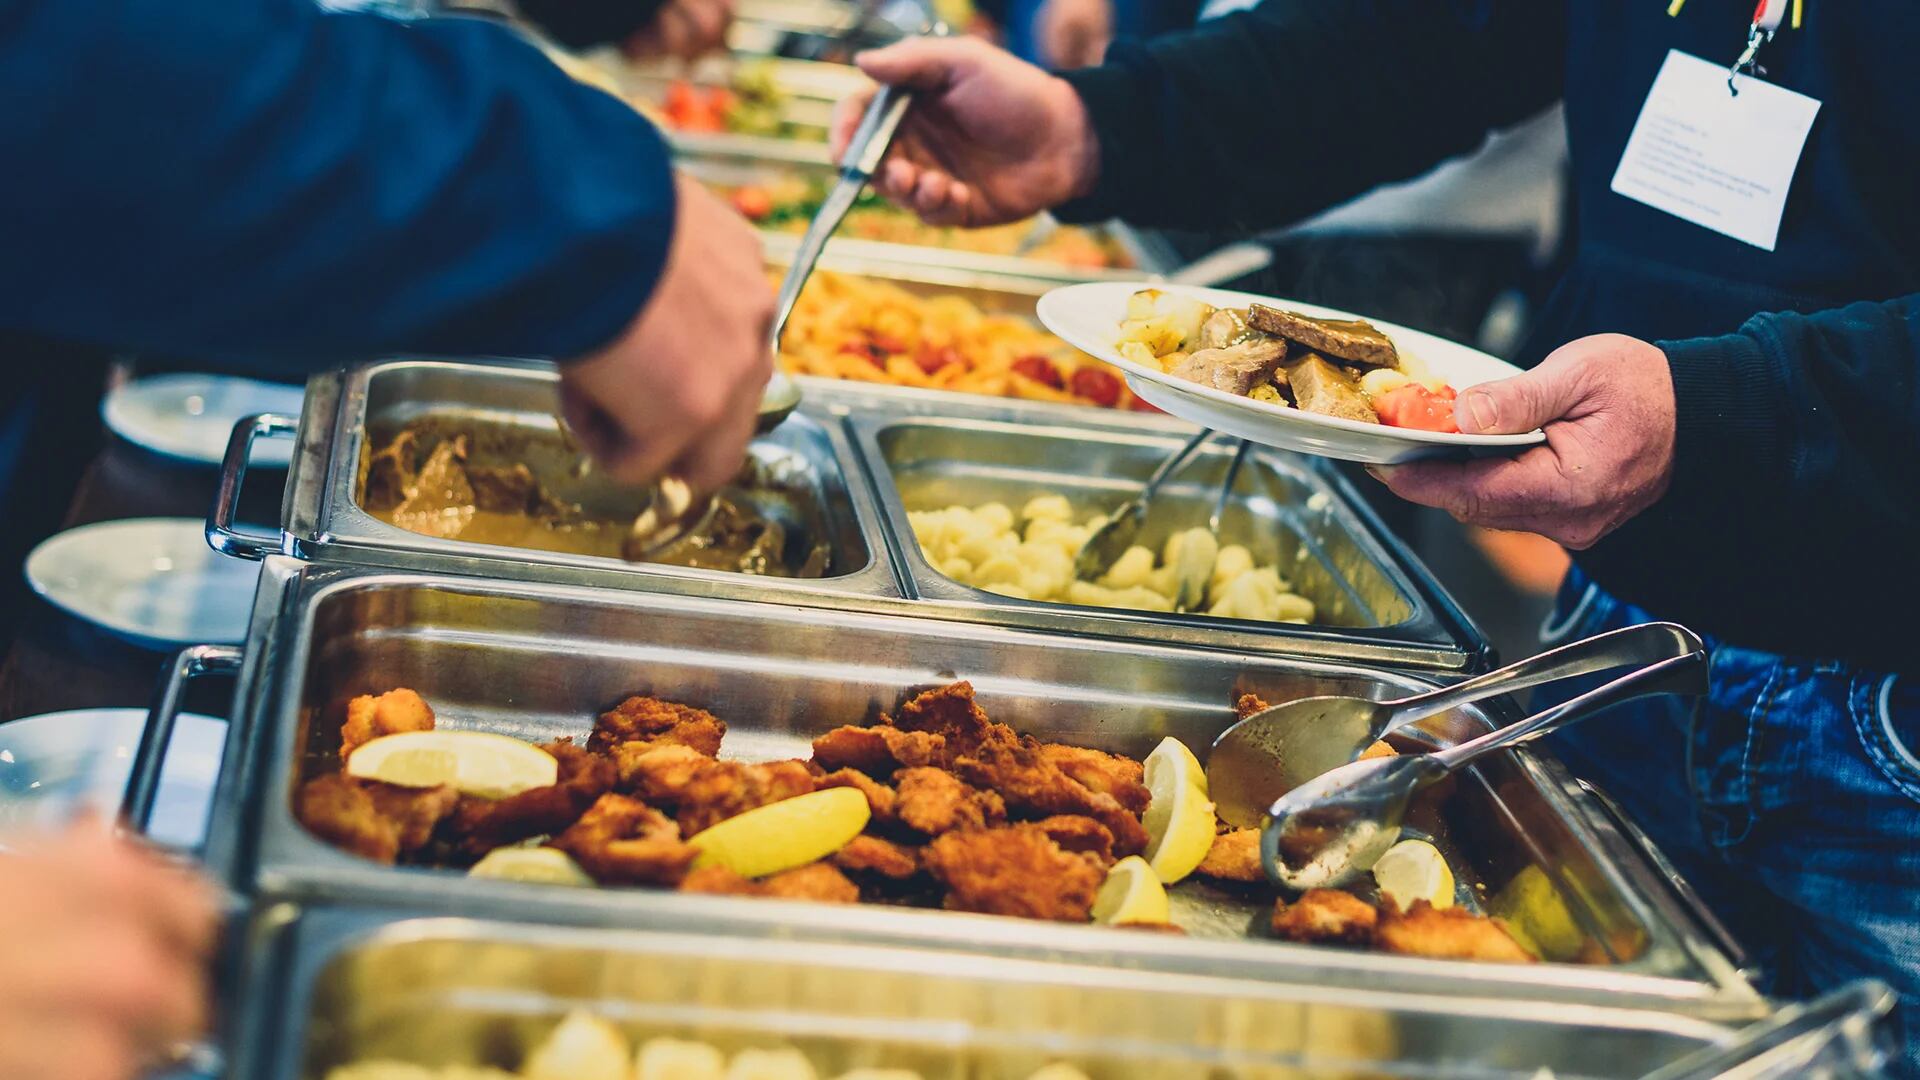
(259, 180)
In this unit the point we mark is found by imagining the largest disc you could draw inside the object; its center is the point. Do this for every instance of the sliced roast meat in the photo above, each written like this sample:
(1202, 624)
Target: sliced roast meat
(1236, 368)
(1320, 386)
(1354, 341)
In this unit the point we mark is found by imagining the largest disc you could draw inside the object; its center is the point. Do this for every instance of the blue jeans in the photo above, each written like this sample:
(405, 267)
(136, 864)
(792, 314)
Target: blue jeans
(1790, 797)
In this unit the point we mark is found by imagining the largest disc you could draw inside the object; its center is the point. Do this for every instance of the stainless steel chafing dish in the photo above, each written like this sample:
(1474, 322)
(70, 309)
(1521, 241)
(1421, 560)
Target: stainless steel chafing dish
(1395, 614)
(537, 661)
(333, 986)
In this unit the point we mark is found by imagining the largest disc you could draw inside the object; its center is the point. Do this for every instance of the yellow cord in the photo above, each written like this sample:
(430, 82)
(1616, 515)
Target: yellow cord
(1674, 7)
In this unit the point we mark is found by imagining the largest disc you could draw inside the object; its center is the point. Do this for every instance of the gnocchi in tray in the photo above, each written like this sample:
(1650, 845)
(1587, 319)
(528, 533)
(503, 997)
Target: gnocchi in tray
(1029, 556)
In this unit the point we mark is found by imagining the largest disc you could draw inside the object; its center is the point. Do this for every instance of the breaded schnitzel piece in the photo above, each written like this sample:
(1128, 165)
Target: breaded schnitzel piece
(872, 855)
(877, 751)
(880, 798)
(1452, 934)
(1234, 856)
(658, 774)
(814, 881)
(480, 825)
(370, 717)
(373, 820)
(1108, 774)
(950, 712)
(1079, 834)
(1033, 785)
(623, 841)
(658, 723)
(934, 801)
(1325, 917)
(720, 789)
(1017, 870)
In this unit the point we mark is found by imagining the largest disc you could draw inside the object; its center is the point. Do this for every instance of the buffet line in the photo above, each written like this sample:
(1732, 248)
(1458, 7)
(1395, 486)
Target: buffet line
(881, 616)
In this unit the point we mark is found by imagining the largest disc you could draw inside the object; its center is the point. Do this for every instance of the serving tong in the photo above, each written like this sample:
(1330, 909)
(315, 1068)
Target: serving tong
(1113, 539)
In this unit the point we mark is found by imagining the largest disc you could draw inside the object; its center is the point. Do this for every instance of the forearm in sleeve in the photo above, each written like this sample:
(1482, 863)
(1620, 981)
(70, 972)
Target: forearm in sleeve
(262, 181)
(1266, 116)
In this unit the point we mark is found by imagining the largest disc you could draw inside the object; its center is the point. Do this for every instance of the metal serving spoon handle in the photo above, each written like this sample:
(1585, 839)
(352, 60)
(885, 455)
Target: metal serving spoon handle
(1112, 540)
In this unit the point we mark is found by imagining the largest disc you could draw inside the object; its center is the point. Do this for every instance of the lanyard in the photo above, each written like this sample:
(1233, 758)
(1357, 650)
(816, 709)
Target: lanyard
(1767, 17)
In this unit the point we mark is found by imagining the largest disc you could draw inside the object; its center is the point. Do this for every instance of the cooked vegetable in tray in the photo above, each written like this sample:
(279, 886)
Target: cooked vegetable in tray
(848, 327)
(1336, 367)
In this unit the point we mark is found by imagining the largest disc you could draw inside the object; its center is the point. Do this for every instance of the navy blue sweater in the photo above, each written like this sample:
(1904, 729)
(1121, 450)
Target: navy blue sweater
(1799, 408)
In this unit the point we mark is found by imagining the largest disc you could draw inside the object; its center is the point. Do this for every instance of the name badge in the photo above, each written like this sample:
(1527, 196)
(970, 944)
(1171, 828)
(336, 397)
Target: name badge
(1718, 159)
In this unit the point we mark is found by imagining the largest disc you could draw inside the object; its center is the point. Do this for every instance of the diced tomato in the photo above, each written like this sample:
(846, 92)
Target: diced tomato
(1140, 404)
(931, 359)
(1097, 386)
(720, 100)
(865, 350)
(1415, 406)
(753, 202)
(680, 97)
(1040, 370)
(887, 343)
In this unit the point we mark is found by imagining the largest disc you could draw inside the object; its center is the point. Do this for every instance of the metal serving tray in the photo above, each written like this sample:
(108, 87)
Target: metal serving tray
(539, 661)
(335, 986)
(1362, 583)
(347, 413)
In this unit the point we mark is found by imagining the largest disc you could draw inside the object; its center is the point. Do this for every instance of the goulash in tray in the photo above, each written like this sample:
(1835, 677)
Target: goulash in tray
(1336, 367)
(934, 806)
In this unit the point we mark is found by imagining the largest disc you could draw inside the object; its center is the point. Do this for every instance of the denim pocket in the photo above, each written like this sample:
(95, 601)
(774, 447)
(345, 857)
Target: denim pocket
(1888, 721)
(1581, 611)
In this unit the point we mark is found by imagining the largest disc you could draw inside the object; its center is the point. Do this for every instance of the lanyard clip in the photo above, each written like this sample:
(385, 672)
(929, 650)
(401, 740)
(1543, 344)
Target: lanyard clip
(1757, 36)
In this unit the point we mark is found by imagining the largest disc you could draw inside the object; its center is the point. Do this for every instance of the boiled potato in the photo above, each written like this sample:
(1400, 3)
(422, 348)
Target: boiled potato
(771, 1065)
(676, 1059)
(583, 1047)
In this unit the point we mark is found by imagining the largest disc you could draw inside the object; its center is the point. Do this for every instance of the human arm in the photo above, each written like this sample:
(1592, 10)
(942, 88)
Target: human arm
(1258, 118)
(684, 28)
(1706, 438)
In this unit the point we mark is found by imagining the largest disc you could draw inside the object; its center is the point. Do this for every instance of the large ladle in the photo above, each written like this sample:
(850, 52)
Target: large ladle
(1330, 830)
(1277, 749)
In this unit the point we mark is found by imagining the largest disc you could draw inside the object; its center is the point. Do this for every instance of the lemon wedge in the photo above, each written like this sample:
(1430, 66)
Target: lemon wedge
(1131, 894)
(1415, 870)
(475, 762)
(543, 865)
(1179, 819)
(780, 836)
(1537, 917)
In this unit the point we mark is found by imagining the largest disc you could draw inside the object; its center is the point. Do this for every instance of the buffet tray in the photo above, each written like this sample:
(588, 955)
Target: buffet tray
(539, 661)
(1395, 613)
(333, 986)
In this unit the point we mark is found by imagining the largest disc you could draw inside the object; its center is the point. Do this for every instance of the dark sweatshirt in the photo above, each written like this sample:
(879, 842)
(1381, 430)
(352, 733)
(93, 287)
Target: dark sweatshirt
(1793, 521)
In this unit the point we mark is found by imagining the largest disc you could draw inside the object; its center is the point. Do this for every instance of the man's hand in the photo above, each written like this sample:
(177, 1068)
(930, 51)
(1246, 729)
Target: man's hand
(1074, 33)
(1606, 403)
(990, 139)
(105, 963)
(678, 393)
(687, 29)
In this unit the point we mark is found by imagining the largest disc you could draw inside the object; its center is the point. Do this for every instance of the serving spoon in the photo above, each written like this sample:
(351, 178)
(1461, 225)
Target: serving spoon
(1330, 830)
(1278, 749)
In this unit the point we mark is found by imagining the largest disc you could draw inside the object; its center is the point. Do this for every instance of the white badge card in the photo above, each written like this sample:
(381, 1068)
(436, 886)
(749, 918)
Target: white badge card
(1717, 159)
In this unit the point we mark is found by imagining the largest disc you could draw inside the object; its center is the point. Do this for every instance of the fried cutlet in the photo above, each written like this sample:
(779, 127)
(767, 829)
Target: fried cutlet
(1108, 774)
(1032, 785)
(1452, 934)
(878, 750)
(623, 841)
(872, 855)
(1234, 856)
(720, 789)
(658, 774)
(1325, 917)
(1017, 870)
(373, 820)
(881, 799)
(370, 717)
(934, 801)
(1079, 834)
(658, 723)
(951, 713)
(480, 825)
(815, 881)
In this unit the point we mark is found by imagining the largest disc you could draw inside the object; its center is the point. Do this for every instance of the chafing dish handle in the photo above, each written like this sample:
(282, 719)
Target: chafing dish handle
(143, 783)
(1668, 873)
(1842, 1033)
(221, 533)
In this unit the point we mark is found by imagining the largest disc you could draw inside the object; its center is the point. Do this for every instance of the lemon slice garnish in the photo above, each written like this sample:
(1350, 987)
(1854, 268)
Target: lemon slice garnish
(475, 762)
(780, 836)
(1131, 894)
(1414, 870)
(544, 865)
(1179, 820)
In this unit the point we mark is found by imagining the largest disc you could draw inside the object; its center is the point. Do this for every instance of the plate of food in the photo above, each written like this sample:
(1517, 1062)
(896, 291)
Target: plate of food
(1283, 373)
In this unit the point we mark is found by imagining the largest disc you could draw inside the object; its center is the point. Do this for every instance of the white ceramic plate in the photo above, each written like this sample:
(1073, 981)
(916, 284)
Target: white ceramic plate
(56, 764)
(191, 417)
(151, 581)
(1088, 317)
